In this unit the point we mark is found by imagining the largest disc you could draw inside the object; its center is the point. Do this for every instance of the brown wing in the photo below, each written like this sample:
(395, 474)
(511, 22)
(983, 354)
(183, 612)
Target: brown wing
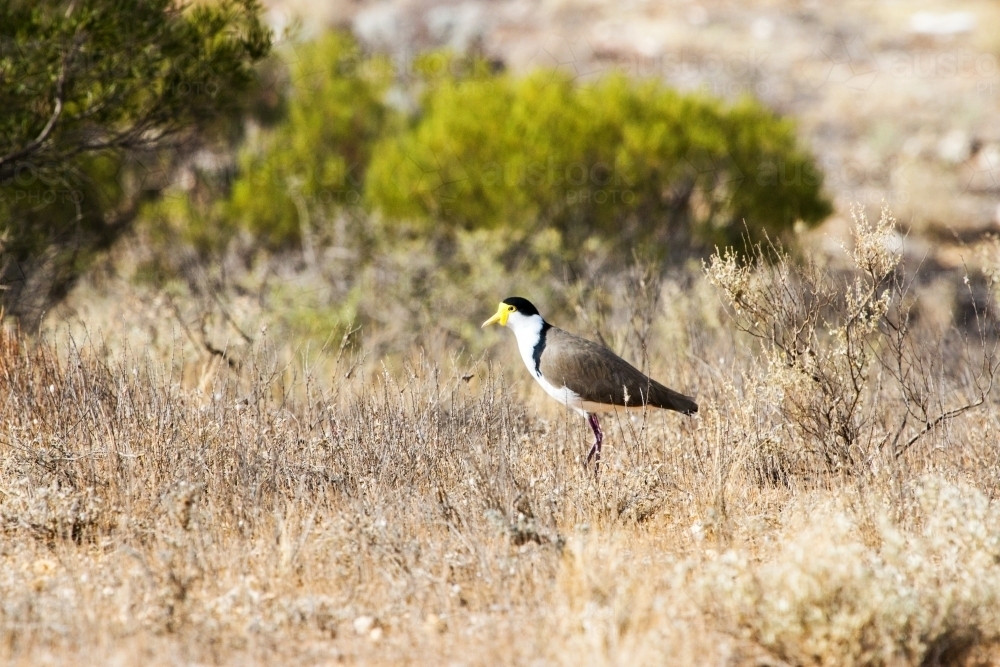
(599, 375)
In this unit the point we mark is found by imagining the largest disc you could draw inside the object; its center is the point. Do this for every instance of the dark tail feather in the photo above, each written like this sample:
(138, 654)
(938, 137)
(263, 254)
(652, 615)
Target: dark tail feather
(669, 399)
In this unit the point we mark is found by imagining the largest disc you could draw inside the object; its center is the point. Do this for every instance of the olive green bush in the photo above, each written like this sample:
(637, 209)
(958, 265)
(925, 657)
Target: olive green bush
(314, 162)
(300, 175)
(617, 161)
(628, 162)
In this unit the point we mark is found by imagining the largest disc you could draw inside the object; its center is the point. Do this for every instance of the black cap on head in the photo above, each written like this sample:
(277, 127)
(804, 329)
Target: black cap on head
(523, 306)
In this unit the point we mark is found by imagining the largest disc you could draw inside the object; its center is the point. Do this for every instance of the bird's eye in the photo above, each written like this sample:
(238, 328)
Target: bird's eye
(511, 308)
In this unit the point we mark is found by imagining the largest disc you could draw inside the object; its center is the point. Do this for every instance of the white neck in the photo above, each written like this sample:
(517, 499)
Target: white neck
(526, 329)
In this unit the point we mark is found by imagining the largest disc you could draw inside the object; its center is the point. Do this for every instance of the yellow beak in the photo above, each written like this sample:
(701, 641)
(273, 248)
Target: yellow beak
(500, 316)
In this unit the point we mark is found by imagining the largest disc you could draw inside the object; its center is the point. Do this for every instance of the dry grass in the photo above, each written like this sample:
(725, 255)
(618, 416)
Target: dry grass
(286, 515)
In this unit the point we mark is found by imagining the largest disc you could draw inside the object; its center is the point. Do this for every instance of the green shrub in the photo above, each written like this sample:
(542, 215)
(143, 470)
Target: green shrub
(623, 160)
(618, 162)
(314, 162)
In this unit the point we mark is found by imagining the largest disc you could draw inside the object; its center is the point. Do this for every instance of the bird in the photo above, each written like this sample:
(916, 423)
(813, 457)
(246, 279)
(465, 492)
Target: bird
(581, 374)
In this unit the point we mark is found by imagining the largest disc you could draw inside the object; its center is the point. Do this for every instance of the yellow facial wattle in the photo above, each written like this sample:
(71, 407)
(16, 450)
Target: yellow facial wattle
(503, 312)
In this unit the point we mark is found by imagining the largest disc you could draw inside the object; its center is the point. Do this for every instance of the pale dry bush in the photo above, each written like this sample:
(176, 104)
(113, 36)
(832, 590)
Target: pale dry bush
(327, 510)
(841, 580)
(854, 380)
(836, 588)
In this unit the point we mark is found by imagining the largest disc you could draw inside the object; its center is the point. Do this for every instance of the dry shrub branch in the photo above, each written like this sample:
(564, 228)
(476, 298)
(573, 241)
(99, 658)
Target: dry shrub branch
(855, 383)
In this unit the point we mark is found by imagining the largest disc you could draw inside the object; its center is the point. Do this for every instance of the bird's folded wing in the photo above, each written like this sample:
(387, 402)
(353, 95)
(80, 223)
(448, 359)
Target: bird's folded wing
(598, 375)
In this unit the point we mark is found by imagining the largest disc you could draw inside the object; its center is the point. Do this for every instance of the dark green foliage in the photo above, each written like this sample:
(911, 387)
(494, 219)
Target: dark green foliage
(623, 161)
(86, 86)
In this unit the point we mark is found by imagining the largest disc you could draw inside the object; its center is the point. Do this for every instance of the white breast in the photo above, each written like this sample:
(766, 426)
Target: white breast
(527, 330)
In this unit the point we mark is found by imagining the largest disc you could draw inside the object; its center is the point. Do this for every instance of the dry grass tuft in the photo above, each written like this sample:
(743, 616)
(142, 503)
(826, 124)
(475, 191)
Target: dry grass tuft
(276, 514)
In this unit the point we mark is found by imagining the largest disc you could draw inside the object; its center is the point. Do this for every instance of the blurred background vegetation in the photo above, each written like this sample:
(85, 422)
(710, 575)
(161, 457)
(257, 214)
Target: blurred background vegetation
(404, 193)
(619, 163)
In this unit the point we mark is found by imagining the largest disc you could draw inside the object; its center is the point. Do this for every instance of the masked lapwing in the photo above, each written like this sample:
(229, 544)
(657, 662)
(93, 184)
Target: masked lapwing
(581, 374)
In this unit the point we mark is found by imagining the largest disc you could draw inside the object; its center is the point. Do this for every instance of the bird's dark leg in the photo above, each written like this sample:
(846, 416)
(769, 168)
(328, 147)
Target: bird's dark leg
(595, 451)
